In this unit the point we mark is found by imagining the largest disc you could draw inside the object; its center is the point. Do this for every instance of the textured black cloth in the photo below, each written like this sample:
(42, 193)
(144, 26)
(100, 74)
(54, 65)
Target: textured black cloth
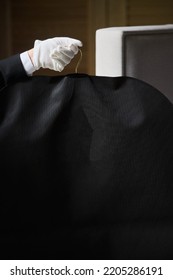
(86, 168)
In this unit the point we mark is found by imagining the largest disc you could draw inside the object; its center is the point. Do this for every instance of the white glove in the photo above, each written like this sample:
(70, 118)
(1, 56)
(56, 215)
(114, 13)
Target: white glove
(55, 53)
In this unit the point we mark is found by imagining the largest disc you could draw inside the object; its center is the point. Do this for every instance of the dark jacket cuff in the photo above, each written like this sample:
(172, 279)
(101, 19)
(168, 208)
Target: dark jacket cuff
(11, 70)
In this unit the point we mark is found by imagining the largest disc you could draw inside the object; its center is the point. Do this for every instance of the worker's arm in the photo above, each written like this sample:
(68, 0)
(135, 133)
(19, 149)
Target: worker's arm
(11, 70)
(54, 54)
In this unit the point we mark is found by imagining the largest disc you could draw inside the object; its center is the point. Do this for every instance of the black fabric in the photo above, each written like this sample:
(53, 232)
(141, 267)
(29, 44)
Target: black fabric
(86, 168)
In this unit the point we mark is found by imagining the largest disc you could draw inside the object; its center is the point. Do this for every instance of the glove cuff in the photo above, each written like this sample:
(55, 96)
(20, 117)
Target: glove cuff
(36, 55)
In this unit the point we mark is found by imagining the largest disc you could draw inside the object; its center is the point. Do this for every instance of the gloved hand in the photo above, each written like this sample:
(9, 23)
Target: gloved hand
(55, 53)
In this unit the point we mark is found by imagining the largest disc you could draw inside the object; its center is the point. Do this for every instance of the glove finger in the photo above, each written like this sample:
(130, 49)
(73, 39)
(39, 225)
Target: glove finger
(37, 43)
(59, 51)
(62, 59)
(74, 49)
(67, 41)
(68, 52)
(64, 55)
(75, 42)
(58, 65)
(58, 62)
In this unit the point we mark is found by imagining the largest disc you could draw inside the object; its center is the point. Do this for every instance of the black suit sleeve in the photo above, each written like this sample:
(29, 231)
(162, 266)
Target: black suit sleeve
(11, 70)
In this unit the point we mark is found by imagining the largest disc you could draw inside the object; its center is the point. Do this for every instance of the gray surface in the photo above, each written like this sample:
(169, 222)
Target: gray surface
(149, 57)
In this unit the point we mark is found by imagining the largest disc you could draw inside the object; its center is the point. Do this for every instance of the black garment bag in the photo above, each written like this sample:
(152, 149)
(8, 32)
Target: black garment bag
(86, 169)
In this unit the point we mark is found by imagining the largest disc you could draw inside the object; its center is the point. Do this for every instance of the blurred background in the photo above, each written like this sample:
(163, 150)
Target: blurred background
(23, 21)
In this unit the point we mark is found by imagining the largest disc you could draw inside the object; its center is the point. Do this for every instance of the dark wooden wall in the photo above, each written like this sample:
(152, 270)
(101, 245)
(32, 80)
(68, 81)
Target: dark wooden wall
(23, 21)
